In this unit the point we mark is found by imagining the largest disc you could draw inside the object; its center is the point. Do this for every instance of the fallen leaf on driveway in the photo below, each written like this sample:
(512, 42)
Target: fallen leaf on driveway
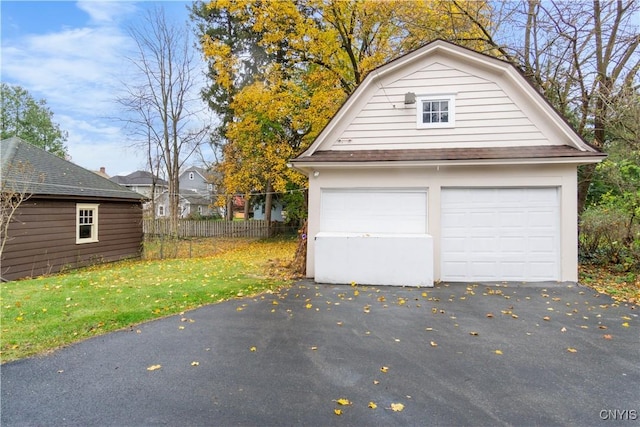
(473, 333)
(253, 349)
(337, 411)
(572, 350)
(397, 407)
(195, 363)
(372, 405)
(489, 315)
(154, 367)
(498, 351)
(384, 369)
(433, 344)
(342, 401)
(607, 337)
(625, 324)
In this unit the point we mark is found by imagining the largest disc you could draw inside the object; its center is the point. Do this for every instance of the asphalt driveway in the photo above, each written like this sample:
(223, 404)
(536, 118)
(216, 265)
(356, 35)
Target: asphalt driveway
(551, 354)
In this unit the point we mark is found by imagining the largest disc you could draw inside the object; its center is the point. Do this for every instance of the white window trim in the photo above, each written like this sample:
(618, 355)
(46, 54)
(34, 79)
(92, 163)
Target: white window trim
(94, 232)
(451, 98)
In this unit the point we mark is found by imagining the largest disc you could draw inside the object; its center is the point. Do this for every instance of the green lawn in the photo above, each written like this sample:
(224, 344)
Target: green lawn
(46, 313)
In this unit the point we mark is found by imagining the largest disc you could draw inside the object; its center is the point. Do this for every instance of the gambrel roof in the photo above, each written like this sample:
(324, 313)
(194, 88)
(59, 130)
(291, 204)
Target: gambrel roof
(27, 168)
(502, 118)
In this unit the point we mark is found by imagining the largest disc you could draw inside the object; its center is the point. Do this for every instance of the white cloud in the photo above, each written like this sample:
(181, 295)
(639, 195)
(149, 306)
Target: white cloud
(102, 12)
(78, 71)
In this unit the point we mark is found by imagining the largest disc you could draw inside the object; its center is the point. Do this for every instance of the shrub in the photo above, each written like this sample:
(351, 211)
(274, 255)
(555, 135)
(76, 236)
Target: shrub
(604, 238)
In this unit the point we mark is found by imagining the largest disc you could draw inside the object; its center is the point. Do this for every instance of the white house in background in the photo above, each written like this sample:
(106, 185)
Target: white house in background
(191, 204)
(444, 165)
(196, 195)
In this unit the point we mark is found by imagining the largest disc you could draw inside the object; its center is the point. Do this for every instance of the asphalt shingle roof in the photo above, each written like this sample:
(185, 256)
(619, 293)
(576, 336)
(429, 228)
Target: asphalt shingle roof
(486, 153)
(138, 178)
(25, 167)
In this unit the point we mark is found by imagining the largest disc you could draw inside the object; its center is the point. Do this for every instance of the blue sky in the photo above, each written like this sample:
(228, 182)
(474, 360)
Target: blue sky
(72, 55)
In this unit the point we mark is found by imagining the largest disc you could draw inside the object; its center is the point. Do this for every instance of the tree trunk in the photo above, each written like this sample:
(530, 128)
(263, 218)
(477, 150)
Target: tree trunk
(228, 214)
(268, 203)
(246, 207)
(585, 176)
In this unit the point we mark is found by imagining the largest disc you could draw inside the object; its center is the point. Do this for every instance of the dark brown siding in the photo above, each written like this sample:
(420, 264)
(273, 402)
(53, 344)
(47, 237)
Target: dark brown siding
(42, 237)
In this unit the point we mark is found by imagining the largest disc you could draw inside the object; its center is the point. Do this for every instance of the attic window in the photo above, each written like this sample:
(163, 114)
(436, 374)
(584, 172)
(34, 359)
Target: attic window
(86, 223)
(436, 111)
(191, 176)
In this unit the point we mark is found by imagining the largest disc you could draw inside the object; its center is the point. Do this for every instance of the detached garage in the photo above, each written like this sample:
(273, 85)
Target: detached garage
(444, 165)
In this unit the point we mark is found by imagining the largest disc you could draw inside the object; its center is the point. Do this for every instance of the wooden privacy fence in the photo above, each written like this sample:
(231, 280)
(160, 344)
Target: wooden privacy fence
(195, 228)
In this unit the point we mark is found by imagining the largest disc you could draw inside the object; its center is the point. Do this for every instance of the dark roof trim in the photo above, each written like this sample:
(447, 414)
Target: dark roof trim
(447, 154)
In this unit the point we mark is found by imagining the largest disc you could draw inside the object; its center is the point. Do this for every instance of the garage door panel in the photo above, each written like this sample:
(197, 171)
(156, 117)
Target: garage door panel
(514, 245)
(543, 245)
(398, 211)
(483, 244)
(507, 234)
(455, 245)
(483, 269)
(481, 219)
(511, 219)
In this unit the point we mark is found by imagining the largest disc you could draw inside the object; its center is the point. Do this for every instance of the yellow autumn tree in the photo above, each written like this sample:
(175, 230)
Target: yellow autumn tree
(276, 117)
(318, 51)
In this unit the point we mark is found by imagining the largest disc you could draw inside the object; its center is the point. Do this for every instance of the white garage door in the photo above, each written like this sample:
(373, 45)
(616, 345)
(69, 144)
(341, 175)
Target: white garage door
(500, 234)
(374, 210)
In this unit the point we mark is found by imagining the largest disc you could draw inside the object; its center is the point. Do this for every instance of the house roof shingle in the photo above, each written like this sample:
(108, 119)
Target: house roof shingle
(138, 178)
(447, 154)
(48, 174)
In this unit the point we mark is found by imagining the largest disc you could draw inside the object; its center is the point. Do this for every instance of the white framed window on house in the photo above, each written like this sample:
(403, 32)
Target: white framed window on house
(436, 111)
(160, 210)
(191, 176)
(86, 223)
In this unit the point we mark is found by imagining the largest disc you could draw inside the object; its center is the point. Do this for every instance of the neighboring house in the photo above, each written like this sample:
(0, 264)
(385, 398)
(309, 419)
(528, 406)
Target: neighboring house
(444, 165)
(190, 204)
(276, 210)
(73, 217)
(196, 195)
(141, 182)
(195, 179)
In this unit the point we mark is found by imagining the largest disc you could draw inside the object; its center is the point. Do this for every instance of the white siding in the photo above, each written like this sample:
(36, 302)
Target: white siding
(485, 115)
